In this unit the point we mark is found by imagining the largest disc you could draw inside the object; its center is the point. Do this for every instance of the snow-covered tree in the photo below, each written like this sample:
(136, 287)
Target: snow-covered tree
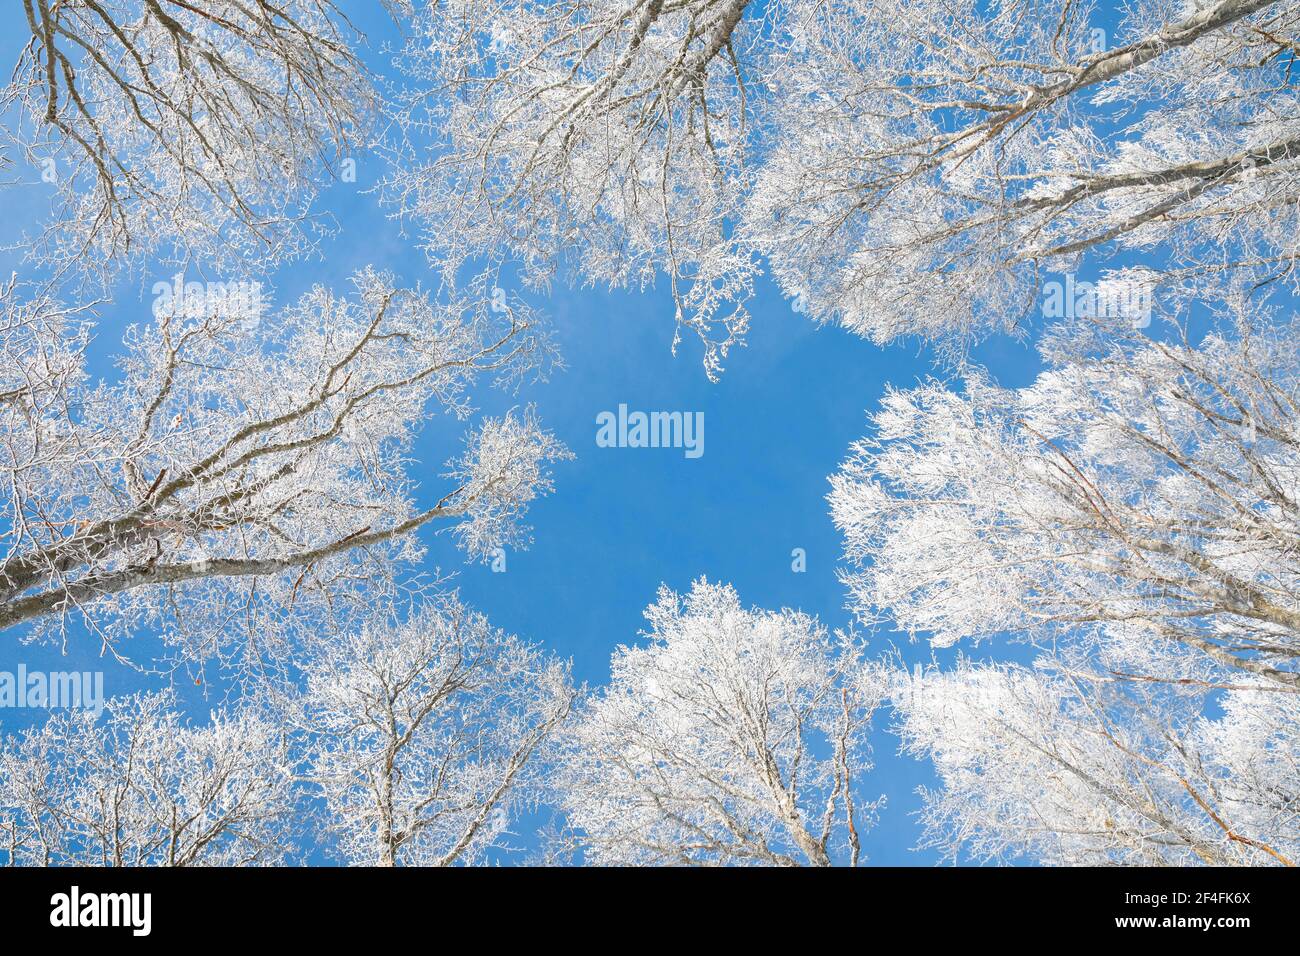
(199, 130)
(731, 736)
(1142, 492)
(1073, 768)
(903, 167)
(423, 735)
(1134, 513)
(605, 140)
(930, 160)
(242, 462)
(142, 787)
(419, 733)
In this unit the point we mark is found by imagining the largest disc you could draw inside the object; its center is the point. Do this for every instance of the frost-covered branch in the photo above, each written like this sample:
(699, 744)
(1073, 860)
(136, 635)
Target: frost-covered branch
(423, 735)
(201, 131)
(1076, 769)
(1141, 491)
(256, 460)
(929, 161)
(732, 736)
(142, 787)
(607, 141)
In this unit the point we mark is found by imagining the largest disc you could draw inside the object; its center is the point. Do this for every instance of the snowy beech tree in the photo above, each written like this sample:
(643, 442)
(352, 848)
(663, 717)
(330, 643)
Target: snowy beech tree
(603, 140)
(905, 167)
(200, 130)
(424, 732)
(1141, 492)
(732, 736)
(929, 160)
(1074, 768)
(241, 462)
(142, 787)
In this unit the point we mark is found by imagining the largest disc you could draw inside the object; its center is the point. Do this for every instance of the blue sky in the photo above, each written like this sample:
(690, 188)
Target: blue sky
(621, 521)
